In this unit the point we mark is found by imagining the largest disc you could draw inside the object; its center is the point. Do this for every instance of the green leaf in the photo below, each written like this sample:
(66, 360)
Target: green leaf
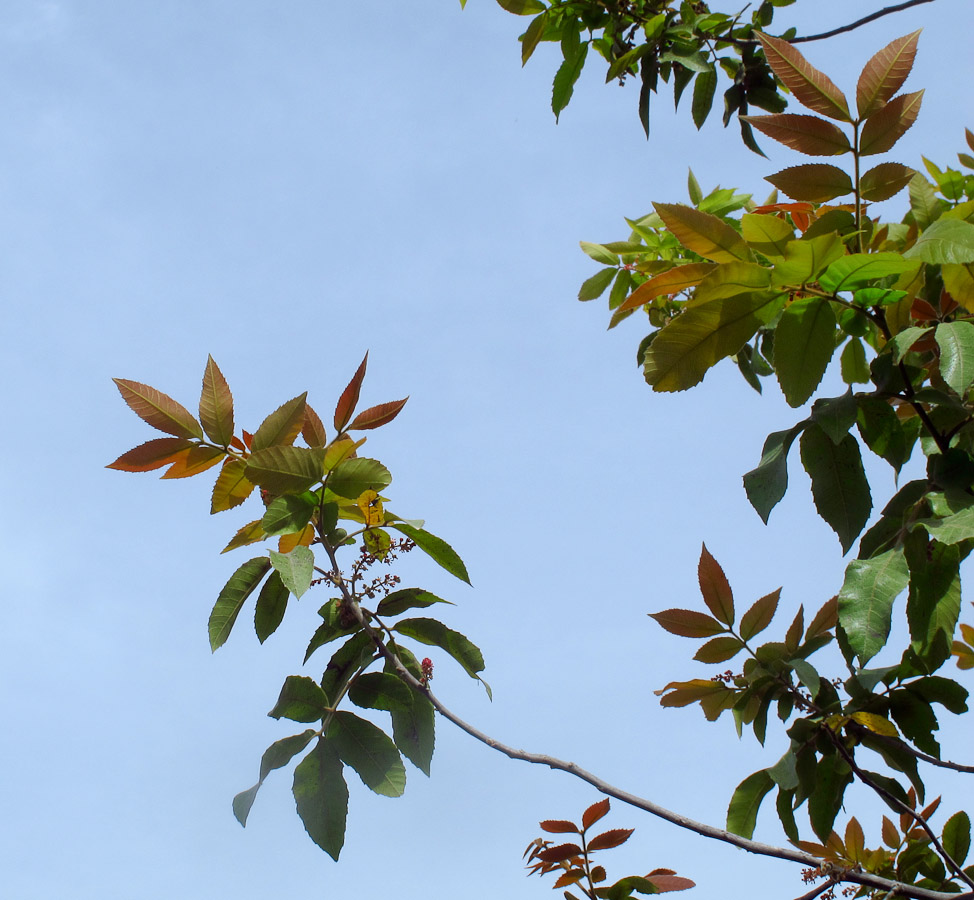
(957, 837)
(835, 415)
(296, 568)
(521, 7)
(279, 754)
(407, 598)
(703, 96)
(321, 796)
(933, 605)
(701, 336)
(436, 634)
(414, 729)
(287, 514)
(719, 649)
(436, 548)
(281, 427)
(380, 690)
(730, 280)
(353, 477)
(856, 270)
(593, 288)
(832, 777)
(945, 241)
(370, 752)
(532, 37)
(216, 405)
(301, 700)
(232, 597)
(703, 233)
(924, 203)
(806, 259)
(271, 605)
(956, 343)
(902, 342)
(232, 486)
(285, 469)
(358, 651)
(839, 485)
(766, 484)
(854, 368)
(565, 78)
(599, 253)
(951, 529)
(804, 344)
(866, 600)
(882, 430)
(784, 773)
(766, 234)
(742, 813)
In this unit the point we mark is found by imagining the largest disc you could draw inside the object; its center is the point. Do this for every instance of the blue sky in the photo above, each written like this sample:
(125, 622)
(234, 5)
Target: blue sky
(286, 185)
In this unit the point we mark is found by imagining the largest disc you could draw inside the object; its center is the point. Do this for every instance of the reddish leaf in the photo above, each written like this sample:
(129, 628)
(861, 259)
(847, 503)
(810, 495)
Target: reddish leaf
(151, 455)
(793, 637)
(559, 853)
(193, 461)
(687, 623)
(825, 619)
(817, 182)
(595, 812)
(683, 693)
(931, 809)
(889, 123)
(376, 416)
(216, 405)
(313, 430)
(666, 883)
(716, 590)
(719, 649)
(883, 181)
(891, 837)
(569, 877)
(232, 486)
(349, 398)
(282, 426)
(612, 838)
(855, 841)
(158, 409)
(807, 134)
(759, 616)
(559, 826)
(672, 281)
(811, 87)
(598, 874)
(885, 73)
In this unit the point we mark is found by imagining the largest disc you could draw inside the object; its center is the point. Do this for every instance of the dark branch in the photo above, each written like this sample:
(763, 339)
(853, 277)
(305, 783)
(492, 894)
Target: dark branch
(899, 7)
(858, 730)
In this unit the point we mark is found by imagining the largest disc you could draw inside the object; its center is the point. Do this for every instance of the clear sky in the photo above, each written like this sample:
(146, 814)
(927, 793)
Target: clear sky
(286, 185)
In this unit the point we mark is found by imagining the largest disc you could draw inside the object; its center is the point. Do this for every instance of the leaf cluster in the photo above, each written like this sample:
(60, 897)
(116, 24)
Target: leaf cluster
(321, 496)
(573, 860)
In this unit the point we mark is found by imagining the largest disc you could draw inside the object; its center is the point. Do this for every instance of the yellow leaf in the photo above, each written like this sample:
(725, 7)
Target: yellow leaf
(835, 723)
(876, 723)
(304, 538)
(371, 505)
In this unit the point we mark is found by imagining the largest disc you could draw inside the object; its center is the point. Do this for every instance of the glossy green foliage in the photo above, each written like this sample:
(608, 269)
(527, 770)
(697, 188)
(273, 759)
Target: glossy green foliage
(660, 42)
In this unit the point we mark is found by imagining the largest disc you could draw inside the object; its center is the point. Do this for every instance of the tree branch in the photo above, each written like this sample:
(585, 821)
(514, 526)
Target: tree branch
(708, 831)
(899, 7)
(859, 730)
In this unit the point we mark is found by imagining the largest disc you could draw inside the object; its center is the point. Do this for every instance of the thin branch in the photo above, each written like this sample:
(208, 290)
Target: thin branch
(709, 831)
(899, 7)
(858, 729)
(903, 808)
(821, 889)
